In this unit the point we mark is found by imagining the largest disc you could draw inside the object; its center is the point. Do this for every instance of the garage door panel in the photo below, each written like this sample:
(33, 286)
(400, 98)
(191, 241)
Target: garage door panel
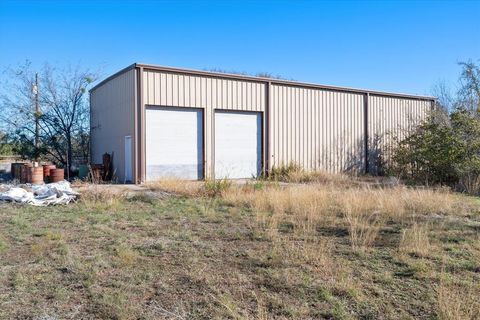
(174, 143)
(238, 144)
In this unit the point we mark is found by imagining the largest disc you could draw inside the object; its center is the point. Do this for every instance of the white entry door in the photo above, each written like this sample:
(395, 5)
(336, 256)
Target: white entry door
(174, 143)
(238, 144)
(128, 159)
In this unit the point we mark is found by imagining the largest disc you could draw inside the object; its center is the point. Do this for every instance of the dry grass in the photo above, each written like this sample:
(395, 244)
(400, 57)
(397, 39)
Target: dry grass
(261, 250)
(293, 173)
(364, 219)
(310, 251)
(208, 188)
(177, 186)
(364, 210)
(415, 241)
(458, 301)
(126, 256)
(101, 198)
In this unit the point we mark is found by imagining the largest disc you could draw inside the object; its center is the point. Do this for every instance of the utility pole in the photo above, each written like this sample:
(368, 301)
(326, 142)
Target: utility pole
(37, 116)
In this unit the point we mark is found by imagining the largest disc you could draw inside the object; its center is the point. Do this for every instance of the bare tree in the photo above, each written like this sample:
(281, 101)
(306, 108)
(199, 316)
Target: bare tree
(64, 116)
(462, 95)
(469, 92)
(445, 98)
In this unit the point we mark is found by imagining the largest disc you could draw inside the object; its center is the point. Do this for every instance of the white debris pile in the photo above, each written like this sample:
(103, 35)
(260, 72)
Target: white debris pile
(39, 195)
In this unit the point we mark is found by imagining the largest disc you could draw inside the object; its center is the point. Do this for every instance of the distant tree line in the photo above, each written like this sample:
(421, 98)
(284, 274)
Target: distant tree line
(258, 74)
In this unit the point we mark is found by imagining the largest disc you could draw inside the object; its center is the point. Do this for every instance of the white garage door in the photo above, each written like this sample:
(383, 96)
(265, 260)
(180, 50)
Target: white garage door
(238, 144)
(174, 143)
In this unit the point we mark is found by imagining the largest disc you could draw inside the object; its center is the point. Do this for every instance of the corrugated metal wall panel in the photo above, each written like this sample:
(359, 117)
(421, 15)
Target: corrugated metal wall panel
(391, 119)
(317, 129)
(178, 90)
(183, 90)
(112, 118)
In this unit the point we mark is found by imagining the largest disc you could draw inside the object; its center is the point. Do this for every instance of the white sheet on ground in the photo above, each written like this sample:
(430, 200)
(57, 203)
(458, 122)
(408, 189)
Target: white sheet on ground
(41, 195)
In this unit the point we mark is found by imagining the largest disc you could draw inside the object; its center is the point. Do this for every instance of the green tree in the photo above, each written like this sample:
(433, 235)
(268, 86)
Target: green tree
(446, 148)
(7, 146)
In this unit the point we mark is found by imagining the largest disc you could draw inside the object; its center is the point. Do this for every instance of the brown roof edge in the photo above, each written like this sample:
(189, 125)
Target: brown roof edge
(265, 80)
(116, 74)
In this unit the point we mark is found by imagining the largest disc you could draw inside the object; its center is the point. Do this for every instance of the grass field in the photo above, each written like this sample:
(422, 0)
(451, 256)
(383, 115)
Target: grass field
(329, 249)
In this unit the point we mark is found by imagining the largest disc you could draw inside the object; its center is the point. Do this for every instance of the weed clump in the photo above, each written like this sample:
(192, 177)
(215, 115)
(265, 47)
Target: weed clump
(215, 188)
(415, 241)
(97, 198)
(294, 173)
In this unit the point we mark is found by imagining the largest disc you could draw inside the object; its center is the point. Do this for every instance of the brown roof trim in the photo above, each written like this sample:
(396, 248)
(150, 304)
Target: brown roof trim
(264, 80)
(282, 82)
(116, 74)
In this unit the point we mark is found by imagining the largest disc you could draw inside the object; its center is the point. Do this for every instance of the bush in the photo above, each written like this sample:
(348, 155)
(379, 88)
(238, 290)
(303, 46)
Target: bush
(442, 151)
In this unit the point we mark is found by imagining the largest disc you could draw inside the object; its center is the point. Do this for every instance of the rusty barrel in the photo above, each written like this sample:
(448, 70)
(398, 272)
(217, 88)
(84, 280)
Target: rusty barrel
(25, 176)
(16, 170)
(46, 171)
(57, 175)
(36, 175)
(97, 172)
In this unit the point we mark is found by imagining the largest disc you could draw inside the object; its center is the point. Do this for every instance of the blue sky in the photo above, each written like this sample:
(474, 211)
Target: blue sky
(393, 46)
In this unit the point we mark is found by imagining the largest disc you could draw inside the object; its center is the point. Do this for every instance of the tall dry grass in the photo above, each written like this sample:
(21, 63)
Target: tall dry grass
(363, 217)
(207, 188)
(362, 210)
(415, 241)
(97, 197)
(294, 173)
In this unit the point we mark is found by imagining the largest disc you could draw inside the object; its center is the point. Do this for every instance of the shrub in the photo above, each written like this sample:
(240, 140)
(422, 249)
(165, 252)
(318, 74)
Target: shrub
(442, 152)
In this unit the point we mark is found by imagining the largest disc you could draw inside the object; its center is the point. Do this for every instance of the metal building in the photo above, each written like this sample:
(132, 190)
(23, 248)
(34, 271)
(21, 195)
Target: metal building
(162, 121)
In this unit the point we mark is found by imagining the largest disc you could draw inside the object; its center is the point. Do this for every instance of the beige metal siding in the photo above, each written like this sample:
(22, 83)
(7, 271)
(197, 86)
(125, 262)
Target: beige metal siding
(391, 119)
(317, 129)
(112, 118)
(184, 90)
